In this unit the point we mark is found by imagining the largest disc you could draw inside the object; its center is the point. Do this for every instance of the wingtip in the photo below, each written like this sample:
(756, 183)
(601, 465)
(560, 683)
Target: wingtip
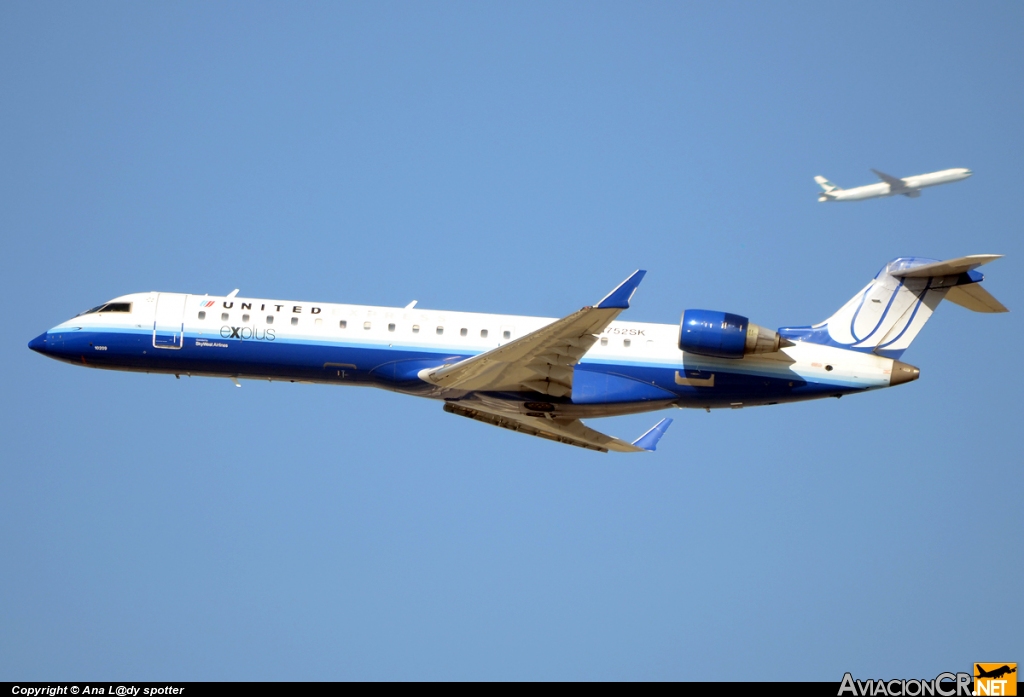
(620, 297)
(649, 440)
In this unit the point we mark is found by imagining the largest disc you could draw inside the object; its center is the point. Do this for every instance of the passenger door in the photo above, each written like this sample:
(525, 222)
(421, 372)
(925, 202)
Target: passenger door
(169, 323)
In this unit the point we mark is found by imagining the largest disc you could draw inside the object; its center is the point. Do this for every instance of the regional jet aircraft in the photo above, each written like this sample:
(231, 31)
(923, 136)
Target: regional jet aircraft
(535, 375)
(890, 185)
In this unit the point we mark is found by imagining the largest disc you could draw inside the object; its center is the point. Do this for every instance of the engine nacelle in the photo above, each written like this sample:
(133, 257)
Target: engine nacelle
(724, 335)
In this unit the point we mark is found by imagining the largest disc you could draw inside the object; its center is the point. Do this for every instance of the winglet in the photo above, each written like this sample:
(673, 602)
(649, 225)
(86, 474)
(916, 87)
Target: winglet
(649, 440)
(619, 298)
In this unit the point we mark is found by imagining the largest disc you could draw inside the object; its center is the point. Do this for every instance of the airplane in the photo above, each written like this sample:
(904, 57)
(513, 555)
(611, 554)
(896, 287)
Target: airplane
(995, 673)
(534, 375)
(890, 185)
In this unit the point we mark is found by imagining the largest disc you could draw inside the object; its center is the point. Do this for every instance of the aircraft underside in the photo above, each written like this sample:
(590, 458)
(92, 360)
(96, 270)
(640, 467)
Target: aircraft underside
(599, 389)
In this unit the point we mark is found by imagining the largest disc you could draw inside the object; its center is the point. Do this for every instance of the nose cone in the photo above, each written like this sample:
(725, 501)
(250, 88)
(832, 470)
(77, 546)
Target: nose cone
(39, 344)
(903, 372)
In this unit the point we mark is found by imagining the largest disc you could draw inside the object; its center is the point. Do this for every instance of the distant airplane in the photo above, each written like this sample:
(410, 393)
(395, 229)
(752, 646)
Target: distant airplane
(535, 375)
(890, 185)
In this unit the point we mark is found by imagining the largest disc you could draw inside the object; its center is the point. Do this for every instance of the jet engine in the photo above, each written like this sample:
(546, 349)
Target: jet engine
(724, 335)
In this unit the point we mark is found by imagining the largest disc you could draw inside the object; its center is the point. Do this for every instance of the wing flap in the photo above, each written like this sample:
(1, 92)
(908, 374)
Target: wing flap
(568, 431)
(542, 360)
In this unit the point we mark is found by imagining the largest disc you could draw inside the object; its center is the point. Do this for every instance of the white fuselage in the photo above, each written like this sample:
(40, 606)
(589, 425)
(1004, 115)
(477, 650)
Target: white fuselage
(634, 366)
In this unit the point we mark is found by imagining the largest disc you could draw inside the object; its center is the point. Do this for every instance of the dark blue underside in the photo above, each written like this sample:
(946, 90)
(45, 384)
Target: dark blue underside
(397, 368)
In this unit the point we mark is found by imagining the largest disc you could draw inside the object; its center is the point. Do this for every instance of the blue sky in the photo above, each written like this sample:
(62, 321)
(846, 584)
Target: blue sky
(520, 158)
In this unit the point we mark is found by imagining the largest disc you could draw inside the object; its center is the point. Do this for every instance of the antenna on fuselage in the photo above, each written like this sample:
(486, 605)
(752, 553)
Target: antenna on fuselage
(232, 293)
(411, 305)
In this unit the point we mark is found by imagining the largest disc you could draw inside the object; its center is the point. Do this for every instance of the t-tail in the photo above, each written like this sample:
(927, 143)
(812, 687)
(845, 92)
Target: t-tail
(886, 316)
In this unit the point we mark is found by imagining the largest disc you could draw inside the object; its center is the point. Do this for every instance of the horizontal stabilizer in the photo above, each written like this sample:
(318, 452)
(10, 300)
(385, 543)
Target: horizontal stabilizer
(975, 298)
(649, 440)
(948, 268)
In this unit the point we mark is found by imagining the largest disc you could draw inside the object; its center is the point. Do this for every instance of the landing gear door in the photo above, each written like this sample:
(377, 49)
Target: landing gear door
(169, 323)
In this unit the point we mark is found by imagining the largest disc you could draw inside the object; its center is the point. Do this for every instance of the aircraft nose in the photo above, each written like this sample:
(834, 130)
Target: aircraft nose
(39, 344)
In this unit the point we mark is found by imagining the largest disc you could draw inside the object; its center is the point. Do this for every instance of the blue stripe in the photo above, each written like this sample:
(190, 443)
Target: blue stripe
(920, 299)
(885, 312)
(396, 368)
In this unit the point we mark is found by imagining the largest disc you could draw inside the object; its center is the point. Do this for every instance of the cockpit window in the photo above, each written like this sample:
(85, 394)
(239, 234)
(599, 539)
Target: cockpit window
(109, 307)
(116, 307)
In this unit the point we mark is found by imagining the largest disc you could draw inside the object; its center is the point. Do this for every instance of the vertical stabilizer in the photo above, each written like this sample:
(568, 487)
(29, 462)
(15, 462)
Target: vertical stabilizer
(887, 315)
(826, 184)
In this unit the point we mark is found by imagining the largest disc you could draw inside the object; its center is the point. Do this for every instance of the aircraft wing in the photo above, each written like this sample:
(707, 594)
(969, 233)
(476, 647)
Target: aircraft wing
(542, 360)
(562, 430)
(895, 183)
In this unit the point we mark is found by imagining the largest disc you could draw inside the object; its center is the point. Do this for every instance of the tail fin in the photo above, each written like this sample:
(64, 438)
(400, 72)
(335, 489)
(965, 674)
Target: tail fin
(887, 315)
(826, 184)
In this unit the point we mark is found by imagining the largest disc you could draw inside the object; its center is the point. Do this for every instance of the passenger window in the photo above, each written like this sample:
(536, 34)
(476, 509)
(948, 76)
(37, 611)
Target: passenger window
(295, 321)
(245, 318)
(604, 341)
(507, 334)
(483, 333)
(415, 329)
(625, 342)
(270, 319)
(202, 314)
(366, 325)
(223, 317)
(440, 331)
(318, 321)
(463, 332)
(342, 324)
(391, 327)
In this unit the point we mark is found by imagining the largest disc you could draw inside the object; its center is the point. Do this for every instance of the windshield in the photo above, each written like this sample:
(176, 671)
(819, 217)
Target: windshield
(108, 307)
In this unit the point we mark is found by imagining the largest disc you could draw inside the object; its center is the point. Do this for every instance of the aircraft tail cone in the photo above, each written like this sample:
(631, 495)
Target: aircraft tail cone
(903, 372)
